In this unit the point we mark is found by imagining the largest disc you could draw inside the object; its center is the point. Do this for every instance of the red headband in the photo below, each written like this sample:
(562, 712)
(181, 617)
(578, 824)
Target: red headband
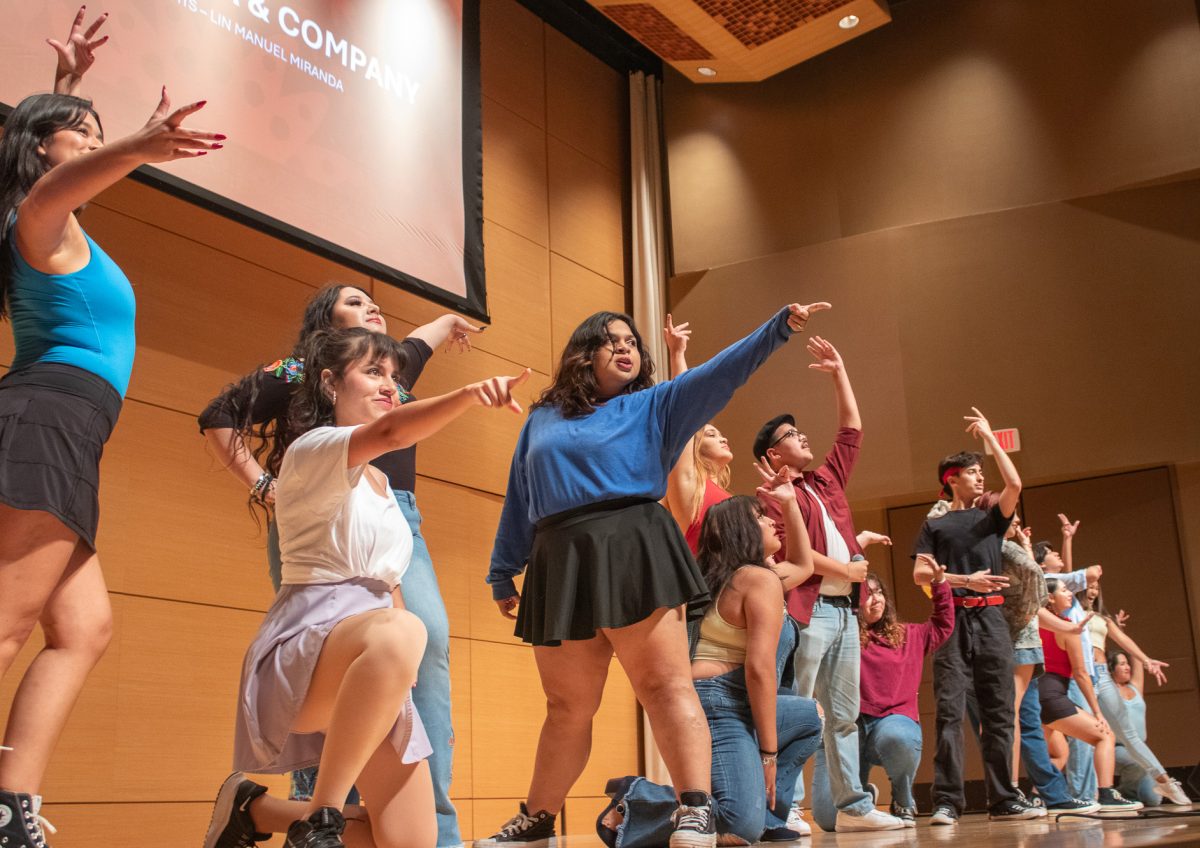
(951, 471)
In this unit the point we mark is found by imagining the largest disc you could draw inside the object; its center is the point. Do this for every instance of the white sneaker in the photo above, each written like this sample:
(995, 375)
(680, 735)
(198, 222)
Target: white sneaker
(1172, 792)
(797, 822)
(874, 820)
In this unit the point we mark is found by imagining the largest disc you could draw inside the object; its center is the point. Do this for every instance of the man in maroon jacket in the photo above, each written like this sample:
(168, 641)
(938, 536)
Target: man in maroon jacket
(827, 656)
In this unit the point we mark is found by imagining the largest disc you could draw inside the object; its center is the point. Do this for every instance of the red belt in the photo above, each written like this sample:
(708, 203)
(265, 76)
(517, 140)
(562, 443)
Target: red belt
(979, 601)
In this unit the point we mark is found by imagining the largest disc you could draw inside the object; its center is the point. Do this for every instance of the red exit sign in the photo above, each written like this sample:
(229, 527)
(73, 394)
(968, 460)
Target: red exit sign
(1009, 439)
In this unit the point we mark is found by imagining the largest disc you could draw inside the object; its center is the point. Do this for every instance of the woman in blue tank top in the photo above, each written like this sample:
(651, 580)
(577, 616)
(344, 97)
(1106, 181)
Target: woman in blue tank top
(72, 313)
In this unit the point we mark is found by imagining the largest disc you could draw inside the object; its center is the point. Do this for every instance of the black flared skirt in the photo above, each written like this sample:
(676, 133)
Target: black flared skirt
(54, 421)
(605, 565)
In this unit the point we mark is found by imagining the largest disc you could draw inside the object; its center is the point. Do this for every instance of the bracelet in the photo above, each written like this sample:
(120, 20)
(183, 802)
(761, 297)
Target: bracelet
(768, 753)
(262, 485)
(769, 760)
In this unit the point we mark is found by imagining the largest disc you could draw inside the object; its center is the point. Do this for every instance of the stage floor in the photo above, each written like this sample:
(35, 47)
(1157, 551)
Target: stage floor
(976, 830)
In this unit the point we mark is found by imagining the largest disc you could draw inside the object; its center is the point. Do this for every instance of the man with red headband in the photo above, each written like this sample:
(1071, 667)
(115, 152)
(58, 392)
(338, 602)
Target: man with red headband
(966, 541)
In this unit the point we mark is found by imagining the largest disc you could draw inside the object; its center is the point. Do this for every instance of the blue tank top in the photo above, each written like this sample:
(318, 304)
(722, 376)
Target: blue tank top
(84, 319)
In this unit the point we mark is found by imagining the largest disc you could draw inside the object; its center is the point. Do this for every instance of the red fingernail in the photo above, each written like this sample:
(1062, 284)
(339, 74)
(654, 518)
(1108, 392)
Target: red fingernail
(218, 146)
(221, 137)
(202, 102)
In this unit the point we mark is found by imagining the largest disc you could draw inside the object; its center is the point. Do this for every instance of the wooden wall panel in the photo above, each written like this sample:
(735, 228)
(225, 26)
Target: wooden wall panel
(463, 779)
(577, 293)
(586, 211)
(504, 730)
(491, 813)
(513, 59)
(514, 173)
(86, 825)
(587, 105)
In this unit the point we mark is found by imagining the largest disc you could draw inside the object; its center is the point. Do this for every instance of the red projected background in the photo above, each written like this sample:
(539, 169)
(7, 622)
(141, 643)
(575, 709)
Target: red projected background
(346, 120)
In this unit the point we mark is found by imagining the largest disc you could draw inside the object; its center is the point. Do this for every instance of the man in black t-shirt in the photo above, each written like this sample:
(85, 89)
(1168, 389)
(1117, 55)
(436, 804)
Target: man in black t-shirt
(978, 655)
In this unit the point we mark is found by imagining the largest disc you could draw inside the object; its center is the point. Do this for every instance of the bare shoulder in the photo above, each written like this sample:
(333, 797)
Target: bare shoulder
(756, 580)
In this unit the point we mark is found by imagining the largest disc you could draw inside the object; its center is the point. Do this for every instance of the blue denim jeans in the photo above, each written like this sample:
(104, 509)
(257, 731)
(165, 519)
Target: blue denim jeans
(1133, 781)
(827, 664)
(1048, 780)
(739, 796)
(432, 693)
(1081, 764)
(1112, 705)
(893, 742)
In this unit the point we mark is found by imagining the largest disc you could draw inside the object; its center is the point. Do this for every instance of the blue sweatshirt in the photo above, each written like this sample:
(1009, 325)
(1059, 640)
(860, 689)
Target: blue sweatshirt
(626, 448)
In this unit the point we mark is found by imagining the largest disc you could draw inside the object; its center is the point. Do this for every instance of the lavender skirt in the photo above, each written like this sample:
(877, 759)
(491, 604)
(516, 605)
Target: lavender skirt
(278, 669)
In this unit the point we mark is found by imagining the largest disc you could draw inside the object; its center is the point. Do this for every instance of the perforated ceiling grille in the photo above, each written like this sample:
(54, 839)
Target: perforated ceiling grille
(756, 22)
(656, 31)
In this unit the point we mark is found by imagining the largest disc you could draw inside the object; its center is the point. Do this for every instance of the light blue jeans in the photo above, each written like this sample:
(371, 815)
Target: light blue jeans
(1112, 705)
(1132, 779)
(739, 797)
(893, 742)
(827, 663)
(1081, 764)
(432, 693)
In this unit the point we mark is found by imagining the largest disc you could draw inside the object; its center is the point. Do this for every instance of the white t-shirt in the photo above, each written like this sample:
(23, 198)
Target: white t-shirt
(835, 548)
(332, 525)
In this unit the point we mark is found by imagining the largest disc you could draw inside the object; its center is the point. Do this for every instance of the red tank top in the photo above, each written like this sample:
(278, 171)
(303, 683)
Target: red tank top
(1056, 659)
(713, 494)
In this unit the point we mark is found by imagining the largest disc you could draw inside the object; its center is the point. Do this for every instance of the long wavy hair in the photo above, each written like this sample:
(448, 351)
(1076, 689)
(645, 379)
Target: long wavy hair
(887, 630)
(705, 471)
(30, 125)
(574, 390)
(335, 351)
(730, 538)
(268, 439)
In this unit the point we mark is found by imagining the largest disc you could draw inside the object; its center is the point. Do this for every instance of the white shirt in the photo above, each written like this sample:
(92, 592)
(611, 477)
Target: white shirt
(1076, 581)
(333, 525)
(835, 548)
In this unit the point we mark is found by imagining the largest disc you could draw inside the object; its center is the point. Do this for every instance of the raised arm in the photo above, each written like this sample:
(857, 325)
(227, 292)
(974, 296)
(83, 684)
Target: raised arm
(830, 361)
(1137, 674)
(777, 488)
(1073, 645)
(411, 422)
(1069, 530)
(450, 330)
(45, 218)
(676, 338)
(681, 486)
(978, 426)
(1121, 638)
(75, 54)
(1057, 624)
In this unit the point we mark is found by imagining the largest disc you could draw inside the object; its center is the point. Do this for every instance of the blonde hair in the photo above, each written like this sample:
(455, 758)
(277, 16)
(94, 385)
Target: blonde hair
(705, 471)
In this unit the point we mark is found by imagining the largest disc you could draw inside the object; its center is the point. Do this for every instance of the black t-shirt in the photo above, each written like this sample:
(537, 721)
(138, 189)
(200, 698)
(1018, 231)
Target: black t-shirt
(965, 541)
(275, 385)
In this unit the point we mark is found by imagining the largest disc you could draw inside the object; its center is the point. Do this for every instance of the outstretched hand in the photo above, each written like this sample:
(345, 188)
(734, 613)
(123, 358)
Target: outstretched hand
(164, 138)
(777, 485)
(1068, 529)
(75, 55)
(798, 315)
(497, 391)
(977, 425)
(460, 335)
(1155, 669)
(866, 538)
(828, 359)
(676, 336)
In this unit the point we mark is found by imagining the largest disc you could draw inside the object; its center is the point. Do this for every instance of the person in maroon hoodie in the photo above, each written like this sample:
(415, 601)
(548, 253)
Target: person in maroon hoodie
(893, 658)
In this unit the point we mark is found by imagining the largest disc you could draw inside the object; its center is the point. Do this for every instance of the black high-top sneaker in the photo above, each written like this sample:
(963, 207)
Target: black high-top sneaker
(694, 825)
(231, 825)
(523, 831)
(21, 821)
(323, 829)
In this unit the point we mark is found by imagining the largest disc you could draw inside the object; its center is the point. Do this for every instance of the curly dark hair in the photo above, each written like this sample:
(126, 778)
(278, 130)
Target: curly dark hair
(574, 390)
(729, 538)
(30, 125)
(887, 630)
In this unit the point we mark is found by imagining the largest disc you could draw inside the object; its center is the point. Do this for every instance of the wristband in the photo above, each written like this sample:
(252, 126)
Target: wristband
(262, 485)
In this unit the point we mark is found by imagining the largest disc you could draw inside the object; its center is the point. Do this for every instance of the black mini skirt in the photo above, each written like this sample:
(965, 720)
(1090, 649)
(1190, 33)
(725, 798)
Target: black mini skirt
(54, 421)
(605, 565)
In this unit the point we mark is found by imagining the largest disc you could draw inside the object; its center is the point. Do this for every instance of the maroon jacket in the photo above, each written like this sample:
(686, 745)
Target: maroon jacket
(829, 482)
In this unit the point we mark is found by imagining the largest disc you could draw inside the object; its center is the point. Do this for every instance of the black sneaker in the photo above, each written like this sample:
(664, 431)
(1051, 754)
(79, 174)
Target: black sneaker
(1112, 801)
(1013, 810)
(908, 815)
(323, 829)
(944, 814)
(1073, 805)
(1035, 801)
(780, 834)
(692, 823)
(21, 822)
(231, 825)
(536, 831)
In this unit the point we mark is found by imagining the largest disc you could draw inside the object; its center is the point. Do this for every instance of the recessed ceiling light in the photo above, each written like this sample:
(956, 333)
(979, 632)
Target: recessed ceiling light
(848, 22)
(706, 71)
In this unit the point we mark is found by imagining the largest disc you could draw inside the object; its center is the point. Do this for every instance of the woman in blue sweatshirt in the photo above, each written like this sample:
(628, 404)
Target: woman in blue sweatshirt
(608, 569)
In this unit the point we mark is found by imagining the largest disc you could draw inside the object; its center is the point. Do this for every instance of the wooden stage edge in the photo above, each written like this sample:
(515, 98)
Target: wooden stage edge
(976, 830)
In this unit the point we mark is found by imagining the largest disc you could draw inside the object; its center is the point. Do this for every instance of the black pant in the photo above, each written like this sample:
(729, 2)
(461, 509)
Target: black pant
(977, 656)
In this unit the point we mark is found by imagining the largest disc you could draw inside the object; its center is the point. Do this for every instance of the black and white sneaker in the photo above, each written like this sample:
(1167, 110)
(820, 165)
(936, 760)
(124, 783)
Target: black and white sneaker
(1112, 801)
(944, 814)
(1035, 801)
(1013, 810)
(693, 824)
(323, 829)
(523, 829)
(231, 825)
(21, 822)
(1073, 805)
(908, 815)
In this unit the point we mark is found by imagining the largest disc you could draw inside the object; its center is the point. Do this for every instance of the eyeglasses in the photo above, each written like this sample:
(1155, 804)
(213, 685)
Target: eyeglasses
(790, 434)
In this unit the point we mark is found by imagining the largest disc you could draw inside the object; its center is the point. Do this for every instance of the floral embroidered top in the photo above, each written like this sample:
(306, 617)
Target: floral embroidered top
(270, 391)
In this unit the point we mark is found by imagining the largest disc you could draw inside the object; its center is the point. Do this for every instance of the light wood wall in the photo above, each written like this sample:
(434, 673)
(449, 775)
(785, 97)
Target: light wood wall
(185, 564)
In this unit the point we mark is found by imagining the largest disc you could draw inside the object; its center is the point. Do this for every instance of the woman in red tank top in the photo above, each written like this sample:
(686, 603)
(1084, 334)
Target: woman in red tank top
(1064, 662)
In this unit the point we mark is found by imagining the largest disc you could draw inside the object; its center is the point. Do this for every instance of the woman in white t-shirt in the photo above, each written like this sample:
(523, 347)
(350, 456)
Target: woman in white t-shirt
(327, 679)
